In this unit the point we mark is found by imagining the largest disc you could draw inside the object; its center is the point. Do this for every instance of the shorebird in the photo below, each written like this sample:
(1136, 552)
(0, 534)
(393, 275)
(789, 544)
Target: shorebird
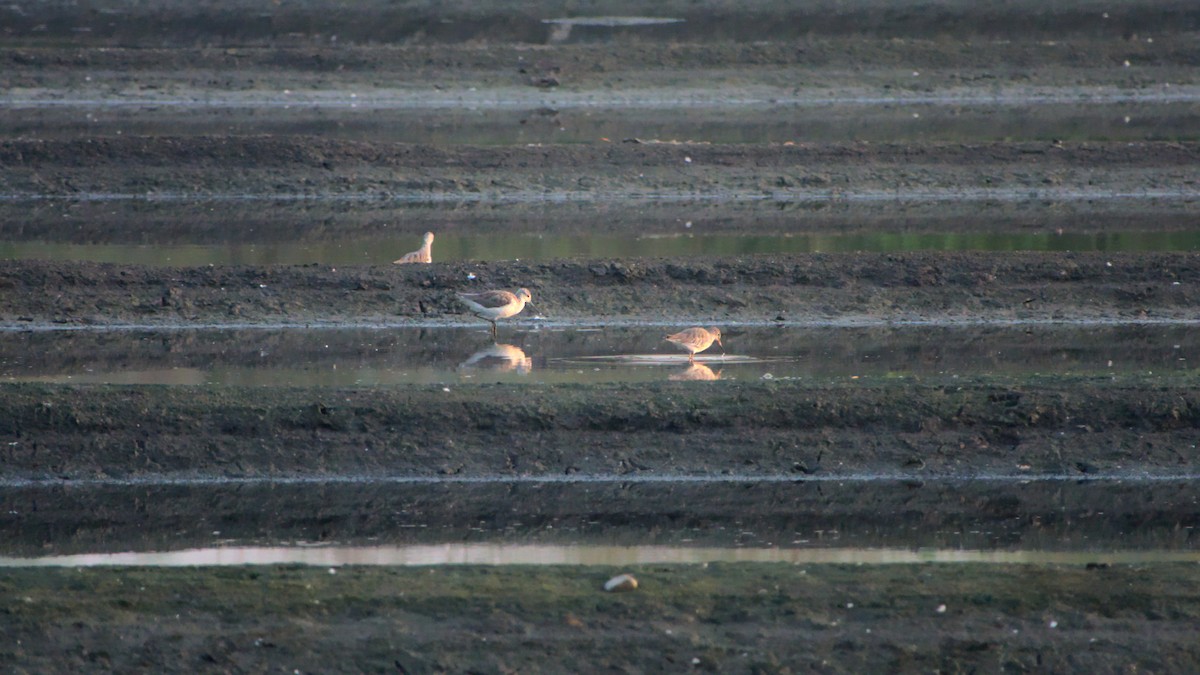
(421, 255)
(695, 340)
(492, 305)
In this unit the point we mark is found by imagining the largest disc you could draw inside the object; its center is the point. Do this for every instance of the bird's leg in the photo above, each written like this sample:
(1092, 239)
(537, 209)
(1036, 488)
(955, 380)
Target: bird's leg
(493, 330)
(691, 357)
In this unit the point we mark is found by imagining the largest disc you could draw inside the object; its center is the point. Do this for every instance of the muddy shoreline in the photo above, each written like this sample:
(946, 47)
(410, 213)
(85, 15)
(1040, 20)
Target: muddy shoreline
(234, 166)
(919, 286)
(1057, 426)
(1035, 515)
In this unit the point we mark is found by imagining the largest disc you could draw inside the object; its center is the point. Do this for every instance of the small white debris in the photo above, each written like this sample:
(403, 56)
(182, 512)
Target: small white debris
(941, 609)
(695, 661)
(1105, 15)
(262, 285)
(333, 570)
(916, 73)
(687, 160)
(620, 583)
(1053, 624)
(1127, 118)
(768, 376)
(1126, 63)
(849, 605)
(471, 276)
(1108, 264)
(688, 224)
(916, 115)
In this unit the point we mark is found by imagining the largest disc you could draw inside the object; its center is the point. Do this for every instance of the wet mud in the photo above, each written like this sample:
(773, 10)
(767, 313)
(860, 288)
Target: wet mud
(233, 124)
(1035, 516)
(718, 618)
(892, 426)
(916, 286)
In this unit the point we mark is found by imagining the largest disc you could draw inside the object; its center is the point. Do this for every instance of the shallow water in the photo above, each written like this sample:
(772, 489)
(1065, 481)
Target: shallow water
(505, 554)
(536, 247)
(389, 356)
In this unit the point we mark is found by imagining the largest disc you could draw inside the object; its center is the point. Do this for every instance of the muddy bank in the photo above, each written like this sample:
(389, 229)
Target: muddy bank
(1034, 516)
(886, 426)
(280, 166)
(914, 286)
(148, 222)
(723, 618)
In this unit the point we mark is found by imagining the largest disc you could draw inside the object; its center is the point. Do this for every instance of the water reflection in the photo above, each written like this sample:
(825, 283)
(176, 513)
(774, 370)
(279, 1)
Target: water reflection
(508, 554)
(500, 358)
(367, 357)
(695, 372)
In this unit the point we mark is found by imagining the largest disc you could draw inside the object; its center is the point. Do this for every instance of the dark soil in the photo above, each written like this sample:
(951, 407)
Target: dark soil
(1061, 426)
(802, 288)
(197, 167)
(729, 618)
(1076, 515)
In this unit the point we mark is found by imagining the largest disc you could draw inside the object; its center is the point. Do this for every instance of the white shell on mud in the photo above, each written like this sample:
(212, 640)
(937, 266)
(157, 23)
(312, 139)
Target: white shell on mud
(621, 582)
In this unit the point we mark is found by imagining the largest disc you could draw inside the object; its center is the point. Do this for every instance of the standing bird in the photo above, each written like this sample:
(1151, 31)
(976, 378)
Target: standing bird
(421, 255)
(695, 340)
(492, 305)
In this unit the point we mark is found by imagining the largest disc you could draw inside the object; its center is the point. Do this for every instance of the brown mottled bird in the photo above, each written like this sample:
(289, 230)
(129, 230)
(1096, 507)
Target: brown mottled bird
(695, 340)
(492, 305)
(421, 255)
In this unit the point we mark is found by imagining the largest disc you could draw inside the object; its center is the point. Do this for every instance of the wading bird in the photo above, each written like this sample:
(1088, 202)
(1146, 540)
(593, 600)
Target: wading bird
(695, 340)
(492, 305)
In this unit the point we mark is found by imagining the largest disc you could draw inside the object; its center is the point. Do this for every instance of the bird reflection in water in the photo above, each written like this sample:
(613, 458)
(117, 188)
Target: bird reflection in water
(500, 358)
(695, 372)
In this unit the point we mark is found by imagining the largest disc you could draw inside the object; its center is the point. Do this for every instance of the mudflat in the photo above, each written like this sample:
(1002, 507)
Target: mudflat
(175, 125)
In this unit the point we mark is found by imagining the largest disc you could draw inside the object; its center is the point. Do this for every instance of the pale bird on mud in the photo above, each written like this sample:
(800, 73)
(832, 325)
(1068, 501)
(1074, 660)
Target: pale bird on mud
(421, 255)
(492, 305)
(695, 340)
